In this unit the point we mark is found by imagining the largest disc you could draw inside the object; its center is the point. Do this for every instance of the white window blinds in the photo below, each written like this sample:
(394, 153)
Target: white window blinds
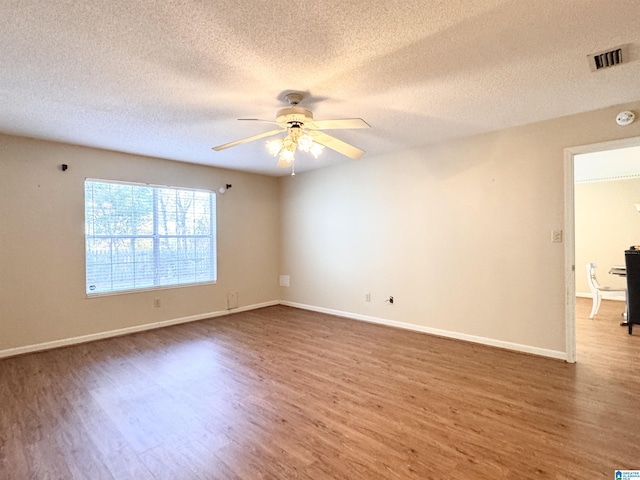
(144, 236)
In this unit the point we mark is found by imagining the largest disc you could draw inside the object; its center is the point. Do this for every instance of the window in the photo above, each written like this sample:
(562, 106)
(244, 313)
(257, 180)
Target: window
(143, 236)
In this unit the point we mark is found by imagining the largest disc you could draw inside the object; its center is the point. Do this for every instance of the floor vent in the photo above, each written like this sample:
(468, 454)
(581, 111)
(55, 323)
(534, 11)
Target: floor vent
(607, 59)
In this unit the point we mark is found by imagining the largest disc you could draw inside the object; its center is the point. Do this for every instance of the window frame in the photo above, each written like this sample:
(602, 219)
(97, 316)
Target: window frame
(155, 236)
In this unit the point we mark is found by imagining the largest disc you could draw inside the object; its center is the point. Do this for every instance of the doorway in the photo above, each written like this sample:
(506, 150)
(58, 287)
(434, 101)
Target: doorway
(573, 155)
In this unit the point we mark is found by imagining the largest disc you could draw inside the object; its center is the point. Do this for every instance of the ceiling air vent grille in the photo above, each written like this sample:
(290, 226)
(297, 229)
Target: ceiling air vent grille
(607, 59)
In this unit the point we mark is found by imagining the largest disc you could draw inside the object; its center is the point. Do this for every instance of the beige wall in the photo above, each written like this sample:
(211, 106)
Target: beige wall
(607, 223)
(42, 242)
(458, 233)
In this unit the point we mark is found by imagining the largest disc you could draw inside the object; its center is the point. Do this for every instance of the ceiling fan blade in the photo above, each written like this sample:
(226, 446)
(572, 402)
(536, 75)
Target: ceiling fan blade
(337, 145)
(257, 120)
(248, 139)
(337, 124)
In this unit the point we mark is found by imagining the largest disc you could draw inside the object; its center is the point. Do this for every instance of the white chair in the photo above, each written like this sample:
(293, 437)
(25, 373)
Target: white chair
(597, 289)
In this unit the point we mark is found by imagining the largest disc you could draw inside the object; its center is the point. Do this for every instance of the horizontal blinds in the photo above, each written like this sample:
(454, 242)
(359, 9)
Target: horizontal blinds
(145, 236)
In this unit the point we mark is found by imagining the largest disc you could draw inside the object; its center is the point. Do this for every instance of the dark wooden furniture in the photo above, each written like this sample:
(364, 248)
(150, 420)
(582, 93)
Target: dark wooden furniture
(632, 261)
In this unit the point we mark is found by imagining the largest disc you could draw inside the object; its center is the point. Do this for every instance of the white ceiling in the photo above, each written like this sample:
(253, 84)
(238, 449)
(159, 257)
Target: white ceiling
(169, 79)
(618, 164)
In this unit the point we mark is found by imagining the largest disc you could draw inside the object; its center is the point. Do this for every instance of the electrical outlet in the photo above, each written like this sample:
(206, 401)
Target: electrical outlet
(156, 302)
(556, 236)
(367, 297)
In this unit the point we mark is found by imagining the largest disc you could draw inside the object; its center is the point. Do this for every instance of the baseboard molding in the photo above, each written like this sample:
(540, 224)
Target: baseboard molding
(435, 331)
(11, 352)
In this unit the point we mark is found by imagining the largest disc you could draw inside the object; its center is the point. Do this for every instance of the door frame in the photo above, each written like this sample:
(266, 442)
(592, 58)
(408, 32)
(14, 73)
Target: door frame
(570, 233)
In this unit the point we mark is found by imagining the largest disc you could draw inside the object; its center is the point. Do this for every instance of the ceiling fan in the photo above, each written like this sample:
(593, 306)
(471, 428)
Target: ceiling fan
(303, 133)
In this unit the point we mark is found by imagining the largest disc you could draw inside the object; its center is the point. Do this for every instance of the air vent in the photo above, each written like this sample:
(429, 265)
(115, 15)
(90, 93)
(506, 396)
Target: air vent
(607, 59)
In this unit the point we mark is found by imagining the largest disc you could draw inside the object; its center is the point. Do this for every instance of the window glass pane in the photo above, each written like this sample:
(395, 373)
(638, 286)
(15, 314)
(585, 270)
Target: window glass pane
(122, 251)
(202, 214)
(143, 211)
(184, 213)
(204, 265)
(98, 212)
(168, 261)
(141, 236)
(166, 211)
(99, 250)
(186, 271)
(144, 263)
(121, 210)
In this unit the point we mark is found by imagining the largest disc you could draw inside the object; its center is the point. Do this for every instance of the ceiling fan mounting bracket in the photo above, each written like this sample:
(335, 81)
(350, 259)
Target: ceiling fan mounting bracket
(294, 98)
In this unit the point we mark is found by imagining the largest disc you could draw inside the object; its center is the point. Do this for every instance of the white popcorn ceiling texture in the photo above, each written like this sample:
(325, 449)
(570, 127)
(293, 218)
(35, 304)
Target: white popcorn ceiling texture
(169, 79)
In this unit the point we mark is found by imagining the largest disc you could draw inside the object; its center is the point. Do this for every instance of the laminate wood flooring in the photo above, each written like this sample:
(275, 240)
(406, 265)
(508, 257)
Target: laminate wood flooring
(282, 393)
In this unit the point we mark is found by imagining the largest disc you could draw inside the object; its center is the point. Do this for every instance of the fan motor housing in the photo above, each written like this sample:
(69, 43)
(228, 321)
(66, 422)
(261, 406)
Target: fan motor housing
(295, 115)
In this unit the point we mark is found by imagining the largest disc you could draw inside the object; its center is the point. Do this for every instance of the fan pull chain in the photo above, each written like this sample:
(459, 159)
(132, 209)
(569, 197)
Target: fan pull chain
(293, 168)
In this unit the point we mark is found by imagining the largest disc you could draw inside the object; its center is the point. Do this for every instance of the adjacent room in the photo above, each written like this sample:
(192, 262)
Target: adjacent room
(607, 222)
(317, 240)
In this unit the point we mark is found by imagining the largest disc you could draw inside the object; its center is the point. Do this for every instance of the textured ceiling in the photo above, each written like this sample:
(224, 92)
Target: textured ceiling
(169, 79)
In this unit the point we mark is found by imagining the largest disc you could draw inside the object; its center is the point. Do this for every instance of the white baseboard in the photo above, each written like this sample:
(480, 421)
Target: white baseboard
(11, 352)
(435, 331)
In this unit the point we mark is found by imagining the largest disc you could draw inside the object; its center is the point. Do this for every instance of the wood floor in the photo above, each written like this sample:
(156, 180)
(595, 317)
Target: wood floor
(281, 393)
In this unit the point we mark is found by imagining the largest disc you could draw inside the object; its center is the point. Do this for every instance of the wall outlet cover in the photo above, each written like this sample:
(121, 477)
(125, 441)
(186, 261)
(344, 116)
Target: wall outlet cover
(232, 300)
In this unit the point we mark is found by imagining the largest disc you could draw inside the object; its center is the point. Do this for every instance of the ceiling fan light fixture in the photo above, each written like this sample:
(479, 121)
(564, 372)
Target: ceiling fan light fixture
(287, 154)
(285, 149)
(305, 142)
(316, 149)
(274, 146)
